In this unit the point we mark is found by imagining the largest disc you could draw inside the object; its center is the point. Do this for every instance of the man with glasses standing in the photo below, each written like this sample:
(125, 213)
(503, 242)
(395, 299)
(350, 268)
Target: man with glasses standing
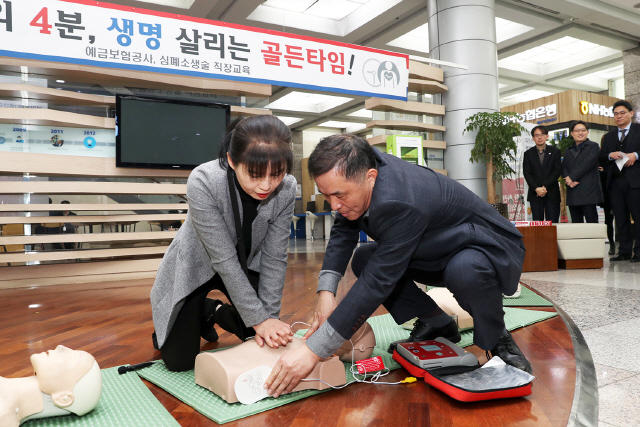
(580, 172)
(542, 167)
(620, 152)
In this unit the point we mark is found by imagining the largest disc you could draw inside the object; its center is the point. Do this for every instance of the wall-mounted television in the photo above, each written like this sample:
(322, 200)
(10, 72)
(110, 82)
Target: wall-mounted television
(167, 134)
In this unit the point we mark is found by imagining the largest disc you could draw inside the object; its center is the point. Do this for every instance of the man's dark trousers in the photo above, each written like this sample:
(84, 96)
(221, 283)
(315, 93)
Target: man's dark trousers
(625, 201)
(469, 276)
(545, 209)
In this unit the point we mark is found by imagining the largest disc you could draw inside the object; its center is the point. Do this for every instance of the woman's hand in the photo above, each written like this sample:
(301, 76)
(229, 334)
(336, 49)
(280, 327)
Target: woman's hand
(274, 332)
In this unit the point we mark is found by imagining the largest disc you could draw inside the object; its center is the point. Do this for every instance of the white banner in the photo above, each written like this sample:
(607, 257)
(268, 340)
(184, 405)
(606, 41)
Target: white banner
(58, 140)
(101, 34)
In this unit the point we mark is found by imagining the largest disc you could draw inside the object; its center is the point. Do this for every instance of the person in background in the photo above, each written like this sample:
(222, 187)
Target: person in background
(210, 248)
(606, 204)
(624, 183)
(542, 166)
(580, 172)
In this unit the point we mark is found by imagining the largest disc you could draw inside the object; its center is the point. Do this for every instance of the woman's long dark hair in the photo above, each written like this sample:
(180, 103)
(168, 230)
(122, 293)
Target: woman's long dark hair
(257, 142)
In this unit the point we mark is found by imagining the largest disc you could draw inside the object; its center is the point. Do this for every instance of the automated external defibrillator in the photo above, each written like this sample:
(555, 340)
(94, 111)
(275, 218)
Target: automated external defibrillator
(457, 372)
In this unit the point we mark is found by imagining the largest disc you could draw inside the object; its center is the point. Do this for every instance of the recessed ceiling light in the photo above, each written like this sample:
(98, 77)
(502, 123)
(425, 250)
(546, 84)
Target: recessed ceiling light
(289, 120)
(364, 113)
(307, 102)
(35, 305)
(60, 81)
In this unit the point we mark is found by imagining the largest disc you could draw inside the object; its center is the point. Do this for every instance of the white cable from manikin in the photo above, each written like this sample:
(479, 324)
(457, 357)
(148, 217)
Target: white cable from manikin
(354, 371)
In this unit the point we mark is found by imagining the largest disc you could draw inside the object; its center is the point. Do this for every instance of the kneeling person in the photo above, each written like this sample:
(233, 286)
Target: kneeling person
(428, 229)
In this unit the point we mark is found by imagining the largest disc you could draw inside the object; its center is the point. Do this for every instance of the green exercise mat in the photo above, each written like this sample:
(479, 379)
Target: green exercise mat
(527, 298)
(125, 402)
(182, 384)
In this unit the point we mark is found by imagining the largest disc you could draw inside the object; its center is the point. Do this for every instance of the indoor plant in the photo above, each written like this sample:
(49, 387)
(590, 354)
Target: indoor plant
(495, 145)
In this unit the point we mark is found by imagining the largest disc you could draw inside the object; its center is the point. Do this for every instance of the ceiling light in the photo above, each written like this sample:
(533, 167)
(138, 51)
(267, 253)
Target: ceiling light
(289, 120)
(60, 81)
(307, 102)
(367, 114)
(506, 29)
(291, 5)
(557, 55)
(35, 305)
(333, 9)
(416, 39)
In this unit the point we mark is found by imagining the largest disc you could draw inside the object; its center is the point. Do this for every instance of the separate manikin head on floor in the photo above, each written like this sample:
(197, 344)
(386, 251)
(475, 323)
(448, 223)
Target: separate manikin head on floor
(66, 381)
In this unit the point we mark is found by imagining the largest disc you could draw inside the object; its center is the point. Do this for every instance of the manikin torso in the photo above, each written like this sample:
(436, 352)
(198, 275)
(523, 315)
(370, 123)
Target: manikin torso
(218, 371)
(66, 381)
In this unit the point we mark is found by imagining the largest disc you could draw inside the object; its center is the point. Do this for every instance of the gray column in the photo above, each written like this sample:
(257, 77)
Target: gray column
(631, 62)
(464, 32)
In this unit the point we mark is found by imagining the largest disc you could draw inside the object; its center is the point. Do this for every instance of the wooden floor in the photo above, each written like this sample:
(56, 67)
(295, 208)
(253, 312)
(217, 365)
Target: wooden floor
(112, 321)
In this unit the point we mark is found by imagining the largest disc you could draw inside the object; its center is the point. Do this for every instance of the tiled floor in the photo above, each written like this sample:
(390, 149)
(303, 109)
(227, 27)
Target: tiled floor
(605, 305)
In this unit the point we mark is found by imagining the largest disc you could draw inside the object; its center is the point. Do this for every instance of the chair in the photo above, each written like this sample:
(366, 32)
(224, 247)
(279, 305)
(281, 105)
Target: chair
(581, 245)
(49, 228)
(312, 219)
(295, 224)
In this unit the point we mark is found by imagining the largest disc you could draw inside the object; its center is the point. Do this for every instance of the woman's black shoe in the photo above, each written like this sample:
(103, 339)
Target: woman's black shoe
(208, 331)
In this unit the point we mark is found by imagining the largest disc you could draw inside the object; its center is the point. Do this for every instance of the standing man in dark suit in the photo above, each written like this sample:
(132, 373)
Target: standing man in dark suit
(427, 228)
(580, 172)
(542, 167)
(624, 184)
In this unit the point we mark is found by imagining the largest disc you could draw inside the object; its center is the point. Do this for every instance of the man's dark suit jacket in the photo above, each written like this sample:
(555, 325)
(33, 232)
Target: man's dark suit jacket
(422, 218)
(610, 144)
(545, 174)
(582, 166)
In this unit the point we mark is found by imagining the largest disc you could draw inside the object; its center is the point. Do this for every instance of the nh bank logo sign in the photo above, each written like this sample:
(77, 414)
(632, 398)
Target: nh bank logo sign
(597, 109)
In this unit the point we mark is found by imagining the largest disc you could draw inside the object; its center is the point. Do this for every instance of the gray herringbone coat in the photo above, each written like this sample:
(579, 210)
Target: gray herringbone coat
(205, 245)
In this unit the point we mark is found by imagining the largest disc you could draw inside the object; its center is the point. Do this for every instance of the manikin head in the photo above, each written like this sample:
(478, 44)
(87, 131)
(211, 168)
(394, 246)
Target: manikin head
(258, 149)
(345, 171)
(71, 377)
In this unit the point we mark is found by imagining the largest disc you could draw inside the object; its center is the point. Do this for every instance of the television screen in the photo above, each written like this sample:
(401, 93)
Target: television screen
(161, 133)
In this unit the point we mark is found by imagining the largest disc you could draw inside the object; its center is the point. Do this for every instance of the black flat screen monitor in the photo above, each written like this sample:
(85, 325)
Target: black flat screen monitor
(168, 134)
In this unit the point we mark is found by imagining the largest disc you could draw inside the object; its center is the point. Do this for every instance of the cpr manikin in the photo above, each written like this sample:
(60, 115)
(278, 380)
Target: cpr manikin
(66, 382)
(446, 301)
(219, 371)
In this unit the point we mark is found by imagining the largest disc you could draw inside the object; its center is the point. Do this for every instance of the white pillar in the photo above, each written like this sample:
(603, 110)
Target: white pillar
(464, 32)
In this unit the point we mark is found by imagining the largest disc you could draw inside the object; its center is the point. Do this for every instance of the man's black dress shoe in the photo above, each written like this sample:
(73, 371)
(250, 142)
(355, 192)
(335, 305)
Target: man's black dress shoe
(612, 251)
(620, 257)
(508, 351)
(423, 331)
(635, 258)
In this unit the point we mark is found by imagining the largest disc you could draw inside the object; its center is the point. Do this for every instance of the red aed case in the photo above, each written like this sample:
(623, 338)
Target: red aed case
(450, 361)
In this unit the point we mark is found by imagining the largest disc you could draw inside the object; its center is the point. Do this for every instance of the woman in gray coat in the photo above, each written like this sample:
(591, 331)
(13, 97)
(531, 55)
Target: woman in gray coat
(208, 252)
(580, 173)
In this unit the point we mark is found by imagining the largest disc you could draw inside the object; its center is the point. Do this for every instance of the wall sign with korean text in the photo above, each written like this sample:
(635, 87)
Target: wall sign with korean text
(101, 34)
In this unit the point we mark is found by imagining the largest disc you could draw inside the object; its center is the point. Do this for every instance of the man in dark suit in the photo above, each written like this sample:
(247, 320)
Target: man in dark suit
(624, 183)
(427, 228)
(542, 167)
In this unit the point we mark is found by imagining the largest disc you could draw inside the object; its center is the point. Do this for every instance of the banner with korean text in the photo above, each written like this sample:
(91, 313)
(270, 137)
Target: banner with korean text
(101, 34)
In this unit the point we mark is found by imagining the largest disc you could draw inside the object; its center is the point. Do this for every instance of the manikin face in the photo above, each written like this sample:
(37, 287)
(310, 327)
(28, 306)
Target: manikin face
(622, 116)
(59, 370)
(258, 188)
(580, 133)
(350, 198)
